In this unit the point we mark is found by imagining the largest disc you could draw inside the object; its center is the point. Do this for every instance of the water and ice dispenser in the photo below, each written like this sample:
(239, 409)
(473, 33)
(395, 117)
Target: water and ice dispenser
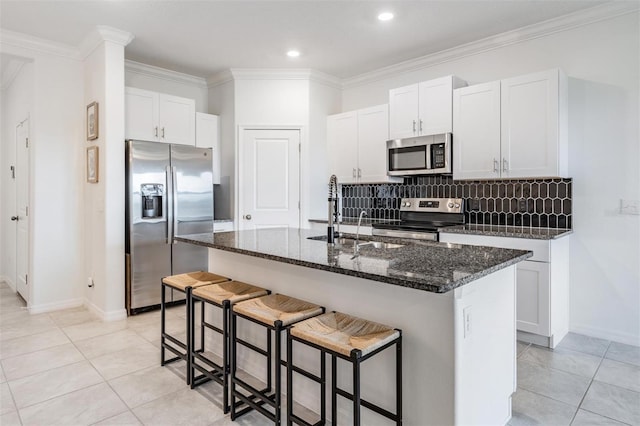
(152, 194)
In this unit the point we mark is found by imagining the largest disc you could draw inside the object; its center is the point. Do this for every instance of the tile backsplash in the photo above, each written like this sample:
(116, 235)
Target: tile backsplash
(544, 203)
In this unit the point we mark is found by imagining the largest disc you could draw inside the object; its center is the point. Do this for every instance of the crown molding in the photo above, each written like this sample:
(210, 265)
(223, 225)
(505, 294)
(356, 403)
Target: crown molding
(102, 33)
(220, 78)
(25, 41)
(541, 29)
(235, 74)
(134, 67)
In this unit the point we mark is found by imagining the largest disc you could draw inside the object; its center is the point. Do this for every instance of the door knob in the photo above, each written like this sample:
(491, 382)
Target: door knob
(248, 217)
(14, 217)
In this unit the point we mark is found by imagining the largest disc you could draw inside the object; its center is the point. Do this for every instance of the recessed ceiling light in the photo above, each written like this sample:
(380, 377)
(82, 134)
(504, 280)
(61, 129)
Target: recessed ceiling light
(293, 53)
(385, 16)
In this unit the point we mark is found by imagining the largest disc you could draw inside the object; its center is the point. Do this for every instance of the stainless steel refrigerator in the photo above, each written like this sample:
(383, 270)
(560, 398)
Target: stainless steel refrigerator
(169, 192)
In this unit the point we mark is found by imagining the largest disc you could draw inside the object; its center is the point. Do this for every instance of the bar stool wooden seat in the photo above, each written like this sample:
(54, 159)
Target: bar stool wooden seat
(352, 339)
(275, 312)
(183, 283)
(222, 295)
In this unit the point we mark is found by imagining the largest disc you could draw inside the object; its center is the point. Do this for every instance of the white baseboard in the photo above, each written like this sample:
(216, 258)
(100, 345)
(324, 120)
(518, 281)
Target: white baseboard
(9, 282)
(603, 333)
(116, 315)
(55, 306)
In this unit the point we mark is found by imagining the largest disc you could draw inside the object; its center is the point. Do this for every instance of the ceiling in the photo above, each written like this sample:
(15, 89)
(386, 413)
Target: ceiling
(341, 38)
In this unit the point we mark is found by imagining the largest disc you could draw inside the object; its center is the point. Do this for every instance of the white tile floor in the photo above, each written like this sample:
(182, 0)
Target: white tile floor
(68, 368)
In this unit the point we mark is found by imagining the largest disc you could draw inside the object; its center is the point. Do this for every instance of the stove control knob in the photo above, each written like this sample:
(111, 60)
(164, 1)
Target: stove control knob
(408, 204)
(457, 205)
(450, 205)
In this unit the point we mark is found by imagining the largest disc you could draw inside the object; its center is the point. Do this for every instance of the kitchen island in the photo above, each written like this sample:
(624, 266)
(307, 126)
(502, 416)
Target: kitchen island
(454, 303)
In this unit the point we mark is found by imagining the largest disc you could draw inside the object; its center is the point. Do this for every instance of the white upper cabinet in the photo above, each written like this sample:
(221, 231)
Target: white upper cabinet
(159, 117)
(533, 125)
(342, 146)
(422, 109)
(208, 136)
(356, 143)
(403, 111)
(476, 134)
(514, 128)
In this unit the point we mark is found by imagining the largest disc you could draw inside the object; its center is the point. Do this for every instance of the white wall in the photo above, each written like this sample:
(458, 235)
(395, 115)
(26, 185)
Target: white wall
(57, 173)
(148, 77)
(324, 100)
(104, 201)
(602, 62)
(222, 103)
(17, 104)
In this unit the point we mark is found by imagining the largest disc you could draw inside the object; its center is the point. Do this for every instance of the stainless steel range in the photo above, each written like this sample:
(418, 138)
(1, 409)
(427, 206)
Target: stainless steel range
(420, 218)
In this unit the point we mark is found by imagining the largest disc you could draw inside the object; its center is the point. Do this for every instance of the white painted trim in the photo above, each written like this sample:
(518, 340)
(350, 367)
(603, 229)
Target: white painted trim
(116, 315)
(594, 14)
(101, 34)
(133, 67)
(25, 41)
(55, 306)
(273, 74)
(220, 78)
(605, 333)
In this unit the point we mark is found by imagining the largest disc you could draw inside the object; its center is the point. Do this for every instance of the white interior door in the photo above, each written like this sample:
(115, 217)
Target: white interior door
(22, 209)
(269, 189)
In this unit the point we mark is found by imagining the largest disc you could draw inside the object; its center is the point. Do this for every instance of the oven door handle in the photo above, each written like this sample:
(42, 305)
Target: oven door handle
(428, 236)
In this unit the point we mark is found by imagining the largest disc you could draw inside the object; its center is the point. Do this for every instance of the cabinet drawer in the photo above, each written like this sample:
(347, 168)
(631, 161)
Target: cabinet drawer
(540, 248)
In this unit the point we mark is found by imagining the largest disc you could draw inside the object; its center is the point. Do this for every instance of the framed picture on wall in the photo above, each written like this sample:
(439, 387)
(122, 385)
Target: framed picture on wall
(92, 164)
(92, 121)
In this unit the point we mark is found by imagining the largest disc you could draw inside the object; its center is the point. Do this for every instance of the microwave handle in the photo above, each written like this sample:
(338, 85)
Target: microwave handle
(428, 154)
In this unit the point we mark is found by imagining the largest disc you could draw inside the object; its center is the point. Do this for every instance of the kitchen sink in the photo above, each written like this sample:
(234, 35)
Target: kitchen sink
(380, 245)
(348, 242)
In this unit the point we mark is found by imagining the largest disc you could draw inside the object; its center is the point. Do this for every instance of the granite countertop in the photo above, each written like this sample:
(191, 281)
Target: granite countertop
(508, 231)
(428, 266)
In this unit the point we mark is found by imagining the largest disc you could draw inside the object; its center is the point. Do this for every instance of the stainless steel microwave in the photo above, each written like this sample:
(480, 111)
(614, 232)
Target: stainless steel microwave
(422, 155)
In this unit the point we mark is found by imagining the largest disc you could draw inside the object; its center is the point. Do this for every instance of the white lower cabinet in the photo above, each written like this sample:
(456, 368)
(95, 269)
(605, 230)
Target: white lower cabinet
(542, 306)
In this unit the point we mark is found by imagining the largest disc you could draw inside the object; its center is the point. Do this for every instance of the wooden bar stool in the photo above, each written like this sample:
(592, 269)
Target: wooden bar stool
(222, 295)
(184, 283)
(349, 338)
(275, 312)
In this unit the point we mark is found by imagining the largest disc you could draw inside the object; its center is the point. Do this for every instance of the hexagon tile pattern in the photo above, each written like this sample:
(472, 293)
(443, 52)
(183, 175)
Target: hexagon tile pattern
(540, 203)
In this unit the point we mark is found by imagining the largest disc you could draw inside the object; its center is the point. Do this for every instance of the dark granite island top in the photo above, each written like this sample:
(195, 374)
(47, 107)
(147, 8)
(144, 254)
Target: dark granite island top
(428, 266)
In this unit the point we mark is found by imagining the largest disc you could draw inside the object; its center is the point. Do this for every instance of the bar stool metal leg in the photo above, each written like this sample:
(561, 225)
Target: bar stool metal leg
(356, 387)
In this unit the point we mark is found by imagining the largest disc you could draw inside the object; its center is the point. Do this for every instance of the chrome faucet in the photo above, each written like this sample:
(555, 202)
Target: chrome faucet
(333, 232)
(356, 245)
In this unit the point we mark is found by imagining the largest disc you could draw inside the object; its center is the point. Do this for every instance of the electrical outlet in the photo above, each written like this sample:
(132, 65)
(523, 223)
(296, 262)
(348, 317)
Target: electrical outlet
(90, 282)
(466, 314)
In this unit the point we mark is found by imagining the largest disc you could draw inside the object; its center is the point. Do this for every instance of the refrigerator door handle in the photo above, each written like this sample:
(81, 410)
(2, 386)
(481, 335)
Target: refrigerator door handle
(169, 210)
(174, 196)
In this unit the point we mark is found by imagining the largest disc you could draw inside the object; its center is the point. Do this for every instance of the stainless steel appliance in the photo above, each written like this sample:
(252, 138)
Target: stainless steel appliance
(421, 218)
(422, 155)
(169, 191)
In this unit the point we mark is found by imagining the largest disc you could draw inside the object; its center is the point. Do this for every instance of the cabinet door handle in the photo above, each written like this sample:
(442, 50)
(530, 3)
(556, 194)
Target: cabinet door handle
(163, 133)
(505, 165)
(495, 165)
(359, 172)
(414, 126)
(354, 172)
(420, 126)
(155, 131)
